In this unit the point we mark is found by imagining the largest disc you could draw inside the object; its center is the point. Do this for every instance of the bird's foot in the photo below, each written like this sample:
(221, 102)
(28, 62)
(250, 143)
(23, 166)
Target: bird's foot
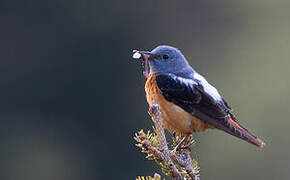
(180, 144)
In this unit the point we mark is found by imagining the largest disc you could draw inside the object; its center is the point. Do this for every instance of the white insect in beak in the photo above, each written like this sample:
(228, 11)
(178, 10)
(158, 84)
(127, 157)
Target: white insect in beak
(136, 54)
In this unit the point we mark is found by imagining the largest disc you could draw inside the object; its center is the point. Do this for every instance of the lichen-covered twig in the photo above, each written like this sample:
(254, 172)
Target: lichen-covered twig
(184, 160)
(175, 163)
(155, 114)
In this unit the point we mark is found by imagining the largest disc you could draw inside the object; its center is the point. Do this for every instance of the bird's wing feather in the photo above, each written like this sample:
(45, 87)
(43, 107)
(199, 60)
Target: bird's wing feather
(191, 96)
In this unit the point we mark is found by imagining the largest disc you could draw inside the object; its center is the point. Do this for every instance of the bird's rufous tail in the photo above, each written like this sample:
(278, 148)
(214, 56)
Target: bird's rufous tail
(239, 131)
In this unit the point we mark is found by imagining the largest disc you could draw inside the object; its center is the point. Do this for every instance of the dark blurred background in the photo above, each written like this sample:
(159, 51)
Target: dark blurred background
(71, 97)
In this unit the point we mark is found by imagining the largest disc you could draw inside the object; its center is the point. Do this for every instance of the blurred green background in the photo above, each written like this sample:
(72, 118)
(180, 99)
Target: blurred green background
(71, 97)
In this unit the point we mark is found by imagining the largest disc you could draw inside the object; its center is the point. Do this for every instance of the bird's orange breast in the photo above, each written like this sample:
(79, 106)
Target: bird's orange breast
(174, 118)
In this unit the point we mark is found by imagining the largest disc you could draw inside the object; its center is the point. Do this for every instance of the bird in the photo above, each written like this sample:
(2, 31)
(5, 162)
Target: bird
(188, 102)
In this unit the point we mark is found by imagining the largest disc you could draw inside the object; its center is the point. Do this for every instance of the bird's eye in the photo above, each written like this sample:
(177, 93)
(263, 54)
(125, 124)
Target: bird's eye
(165, 56)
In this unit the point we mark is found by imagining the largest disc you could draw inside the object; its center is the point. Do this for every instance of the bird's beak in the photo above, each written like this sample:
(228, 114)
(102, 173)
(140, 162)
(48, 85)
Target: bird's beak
(143, 54)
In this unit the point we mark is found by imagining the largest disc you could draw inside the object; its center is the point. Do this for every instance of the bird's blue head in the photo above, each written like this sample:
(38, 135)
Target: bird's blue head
(166, 59)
